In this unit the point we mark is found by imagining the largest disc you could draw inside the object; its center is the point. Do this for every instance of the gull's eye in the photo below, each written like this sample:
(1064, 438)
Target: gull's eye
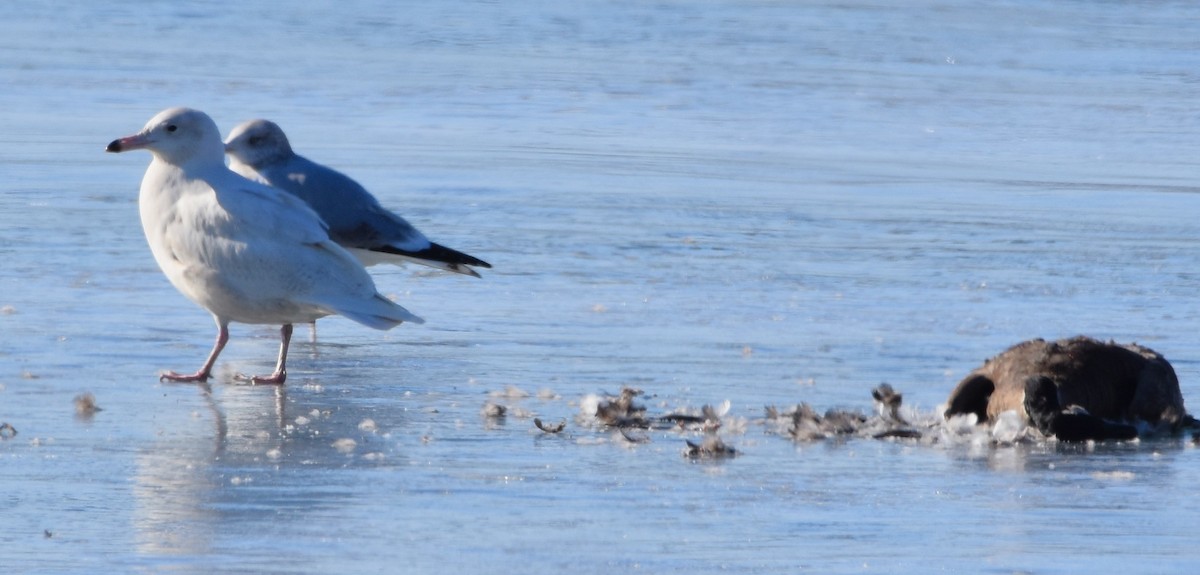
(255, 140)
(172, 127)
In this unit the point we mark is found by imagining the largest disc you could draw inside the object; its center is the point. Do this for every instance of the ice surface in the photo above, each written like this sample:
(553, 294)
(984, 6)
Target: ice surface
(762, 202)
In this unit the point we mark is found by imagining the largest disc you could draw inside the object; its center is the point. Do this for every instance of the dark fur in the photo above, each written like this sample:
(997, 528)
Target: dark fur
(1112, 383)
(1048, 416)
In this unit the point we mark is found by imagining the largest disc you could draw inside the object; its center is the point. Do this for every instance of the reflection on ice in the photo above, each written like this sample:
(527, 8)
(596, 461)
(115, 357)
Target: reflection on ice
(174, 486)
(224, 470)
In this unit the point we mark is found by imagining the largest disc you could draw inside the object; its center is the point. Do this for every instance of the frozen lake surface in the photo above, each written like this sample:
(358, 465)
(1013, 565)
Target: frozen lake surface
(761, 202)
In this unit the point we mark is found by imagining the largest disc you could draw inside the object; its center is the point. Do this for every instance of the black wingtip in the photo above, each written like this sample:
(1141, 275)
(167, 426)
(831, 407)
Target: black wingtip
(438, 253)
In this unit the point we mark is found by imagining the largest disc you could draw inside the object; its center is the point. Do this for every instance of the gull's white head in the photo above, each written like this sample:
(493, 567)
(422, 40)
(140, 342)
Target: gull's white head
(177, 136)
(257, 143)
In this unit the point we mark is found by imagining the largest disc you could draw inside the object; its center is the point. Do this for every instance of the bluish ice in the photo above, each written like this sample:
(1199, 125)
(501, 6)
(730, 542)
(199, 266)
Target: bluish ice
(759, 202)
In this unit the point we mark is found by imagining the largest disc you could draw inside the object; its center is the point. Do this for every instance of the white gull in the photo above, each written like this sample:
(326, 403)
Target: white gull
(243, 250)
(259, 150)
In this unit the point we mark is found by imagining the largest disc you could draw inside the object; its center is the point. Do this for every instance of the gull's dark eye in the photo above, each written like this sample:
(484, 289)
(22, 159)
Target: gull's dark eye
(255, 140)
(172, 127)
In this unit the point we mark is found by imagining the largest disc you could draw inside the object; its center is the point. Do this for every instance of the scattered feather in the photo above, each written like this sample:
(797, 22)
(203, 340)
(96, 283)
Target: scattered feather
(85, 405)
(510, 392)
(711, 448)
(550, 428)
(493, 410)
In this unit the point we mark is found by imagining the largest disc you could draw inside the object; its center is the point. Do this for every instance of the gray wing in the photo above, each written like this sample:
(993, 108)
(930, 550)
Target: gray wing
(354, 216)
(357, 220)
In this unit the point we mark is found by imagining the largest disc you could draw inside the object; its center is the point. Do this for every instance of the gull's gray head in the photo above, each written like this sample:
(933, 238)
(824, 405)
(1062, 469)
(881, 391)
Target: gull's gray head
(257, 143)
(177, 136)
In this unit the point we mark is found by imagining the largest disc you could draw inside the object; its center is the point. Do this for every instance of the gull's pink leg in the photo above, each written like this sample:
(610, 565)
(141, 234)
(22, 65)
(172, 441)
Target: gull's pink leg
(206, 369)
(277, 378)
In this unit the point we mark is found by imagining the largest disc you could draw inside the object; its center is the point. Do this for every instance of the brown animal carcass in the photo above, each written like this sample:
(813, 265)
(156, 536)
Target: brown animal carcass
(1126, 383)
